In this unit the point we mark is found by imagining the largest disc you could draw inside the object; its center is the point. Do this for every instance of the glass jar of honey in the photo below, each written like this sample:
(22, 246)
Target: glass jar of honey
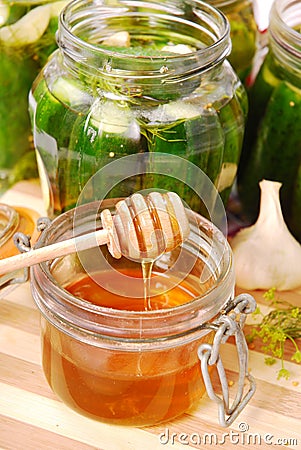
(137, 78)
(14, 220)
(109, 357)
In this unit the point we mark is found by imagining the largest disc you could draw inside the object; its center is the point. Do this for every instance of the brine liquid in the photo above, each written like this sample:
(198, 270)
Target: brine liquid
(90, 133)
(122, 386)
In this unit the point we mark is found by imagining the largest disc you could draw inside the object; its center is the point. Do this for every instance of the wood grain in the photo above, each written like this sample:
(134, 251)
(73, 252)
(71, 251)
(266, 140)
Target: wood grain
(31, 417)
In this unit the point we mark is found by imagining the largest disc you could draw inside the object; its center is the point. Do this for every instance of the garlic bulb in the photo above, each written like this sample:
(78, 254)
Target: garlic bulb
(266, 255)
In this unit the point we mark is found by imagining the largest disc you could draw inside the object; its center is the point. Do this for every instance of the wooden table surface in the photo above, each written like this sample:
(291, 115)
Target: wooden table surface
(31, 417)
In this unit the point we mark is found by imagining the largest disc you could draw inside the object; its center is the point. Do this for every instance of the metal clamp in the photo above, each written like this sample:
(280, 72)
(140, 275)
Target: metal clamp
(229, 323)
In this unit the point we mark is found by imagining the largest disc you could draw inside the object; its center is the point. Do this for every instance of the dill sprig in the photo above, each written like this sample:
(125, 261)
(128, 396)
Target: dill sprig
(280, 325)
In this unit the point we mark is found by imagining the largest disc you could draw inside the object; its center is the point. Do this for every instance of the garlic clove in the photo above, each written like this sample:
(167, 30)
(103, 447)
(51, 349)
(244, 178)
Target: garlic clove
(119, 39)
(28, 29)
(179, 49)
(266, 254)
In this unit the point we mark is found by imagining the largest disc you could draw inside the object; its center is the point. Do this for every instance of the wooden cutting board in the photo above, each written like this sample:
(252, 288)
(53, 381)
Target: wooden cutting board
(31, 417)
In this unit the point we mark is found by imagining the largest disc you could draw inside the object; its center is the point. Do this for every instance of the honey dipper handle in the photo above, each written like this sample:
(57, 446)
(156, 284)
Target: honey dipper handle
(53, 251)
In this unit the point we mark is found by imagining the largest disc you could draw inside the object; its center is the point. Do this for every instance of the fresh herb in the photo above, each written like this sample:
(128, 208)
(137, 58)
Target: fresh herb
(279, 325)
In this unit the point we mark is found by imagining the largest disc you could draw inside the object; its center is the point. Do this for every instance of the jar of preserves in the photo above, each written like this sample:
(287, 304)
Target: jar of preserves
(243, 32)
(134, 77)
(27, 37)
(13, 221)
(108, 356)
(272, 148)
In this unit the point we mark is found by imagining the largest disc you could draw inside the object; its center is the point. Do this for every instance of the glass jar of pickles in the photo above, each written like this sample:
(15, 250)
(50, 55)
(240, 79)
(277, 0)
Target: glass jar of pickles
(109, 357)
(272, 148)
(132, 77)
(27, 37)
(243, 32)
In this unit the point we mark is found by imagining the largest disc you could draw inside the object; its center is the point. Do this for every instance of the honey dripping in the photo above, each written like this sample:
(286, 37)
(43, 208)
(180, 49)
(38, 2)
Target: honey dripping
(165, 241)
(144, 228)
(146, 264)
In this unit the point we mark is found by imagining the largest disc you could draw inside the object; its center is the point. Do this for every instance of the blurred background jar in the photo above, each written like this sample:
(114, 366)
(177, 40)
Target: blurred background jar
(15, 219)
(272, 147)
(243, 32)
(138, 78)
(27, 37)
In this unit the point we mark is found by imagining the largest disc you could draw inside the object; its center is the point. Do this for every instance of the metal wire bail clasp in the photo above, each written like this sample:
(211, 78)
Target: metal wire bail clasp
(226, 325)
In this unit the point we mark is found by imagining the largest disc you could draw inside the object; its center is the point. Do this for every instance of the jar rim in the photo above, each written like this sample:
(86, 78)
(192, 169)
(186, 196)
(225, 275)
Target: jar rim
(204, 58)
(284, 15)
(224, 3)
(76, 316)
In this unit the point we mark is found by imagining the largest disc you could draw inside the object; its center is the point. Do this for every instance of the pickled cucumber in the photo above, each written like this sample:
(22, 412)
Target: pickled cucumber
(276, 154)
(243, 36)
(76, 136)
(192, 133)
(27, 37)
(54, 120)
(14, 123)
(232, 120)
(108, 132)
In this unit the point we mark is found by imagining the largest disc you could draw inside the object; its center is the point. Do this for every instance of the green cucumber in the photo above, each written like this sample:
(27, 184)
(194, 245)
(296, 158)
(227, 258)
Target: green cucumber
(178, 132)
(54, 118)
(109, 131)
(276, 153)
(259, 95)
(15, 82)
(26, 40)
(26, 168)
(71, 93)
(243, 37)
(189, 132)
(76, 138)
(231, 118)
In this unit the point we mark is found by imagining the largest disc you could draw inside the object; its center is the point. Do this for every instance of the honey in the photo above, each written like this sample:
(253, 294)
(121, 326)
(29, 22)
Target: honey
(139, 387)
(107, 353)
(91, 290)
(13, 220)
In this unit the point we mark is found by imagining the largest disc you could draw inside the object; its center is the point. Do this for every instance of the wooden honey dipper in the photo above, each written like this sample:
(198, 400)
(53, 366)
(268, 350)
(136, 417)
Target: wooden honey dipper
(142, 229)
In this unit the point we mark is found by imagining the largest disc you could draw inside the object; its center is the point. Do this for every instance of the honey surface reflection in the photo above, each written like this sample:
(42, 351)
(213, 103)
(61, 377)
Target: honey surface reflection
(121, 386)
(91, 290)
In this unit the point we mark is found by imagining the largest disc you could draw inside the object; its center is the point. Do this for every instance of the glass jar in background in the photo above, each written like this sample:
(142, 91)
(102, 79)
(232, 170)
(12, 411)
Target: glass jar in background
(243, 32)
(106, 356)
(27, 37)
(137, 78)
(272, 148)
(15, 219)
